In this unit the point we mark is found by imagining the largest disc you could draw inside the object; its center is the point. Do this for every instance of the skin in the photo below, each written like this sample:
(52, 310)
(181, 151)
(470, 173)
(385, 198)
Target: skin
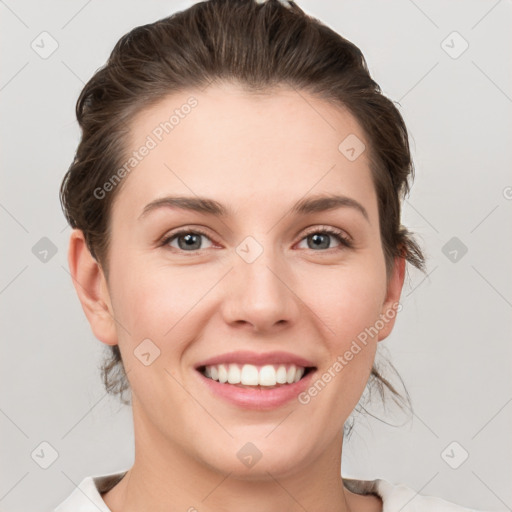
(258, 155)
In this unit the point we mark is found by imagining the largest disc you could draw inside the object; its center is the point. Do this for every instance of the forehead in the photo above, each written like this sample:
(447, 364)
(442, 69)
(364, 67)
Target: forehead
(241, 148)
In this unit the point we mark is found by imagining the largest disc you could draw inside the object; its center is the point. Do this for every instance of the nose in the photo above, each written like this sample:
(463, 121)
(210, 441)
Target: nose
(259, 294)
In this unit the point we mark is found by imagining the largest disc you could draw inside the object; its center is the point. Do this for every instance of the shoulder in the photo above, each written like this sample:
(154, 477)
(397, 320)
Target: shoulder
(402, 497)
(86, 497)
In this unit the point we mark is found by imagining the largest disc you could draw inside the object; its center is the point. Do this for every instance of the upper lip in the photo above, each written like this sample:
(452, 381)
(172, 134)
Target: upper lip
(257, 359)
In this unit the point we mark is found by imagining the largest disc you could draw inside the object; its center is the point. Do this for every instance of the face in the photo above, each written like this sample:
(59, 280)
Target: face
(273, 279)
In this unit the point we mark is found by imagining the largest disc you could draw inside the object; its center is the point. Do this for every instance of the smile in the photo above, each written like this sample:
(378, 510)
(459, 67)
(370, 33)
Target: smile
(269, 375)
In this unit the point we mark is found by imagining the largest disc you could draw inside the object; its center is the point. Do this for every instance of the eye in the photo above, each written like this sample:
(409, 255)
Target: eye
(320, 239)
(188, 240)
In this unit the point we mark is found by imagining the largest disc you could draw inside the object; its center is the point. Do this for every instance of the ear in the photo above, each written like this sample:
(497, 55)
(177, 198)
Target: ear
(391, 304)
(91, 286)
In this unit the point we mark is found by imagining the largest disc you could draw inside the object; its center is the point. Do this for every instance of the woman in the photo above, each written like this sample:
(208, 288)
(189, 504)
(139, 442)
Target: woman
(235, 200)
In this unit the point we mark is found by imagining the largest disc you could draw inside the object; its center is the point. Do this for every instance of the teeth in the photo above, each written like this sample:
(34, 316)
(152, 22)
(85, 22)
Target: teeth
(281, 375)
(223, 373)
(233, 374)
(267, 376)
(251, 375)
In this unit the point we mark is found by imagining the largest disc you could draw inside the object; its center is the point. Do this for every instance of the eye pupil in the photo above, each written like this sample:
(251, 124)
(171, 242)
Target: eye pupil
(191, 241)
(317, 240)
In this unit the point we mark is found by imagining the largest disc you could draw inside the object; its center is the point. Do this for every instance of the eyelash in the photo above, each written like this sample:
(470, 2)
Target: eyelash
(344, 240)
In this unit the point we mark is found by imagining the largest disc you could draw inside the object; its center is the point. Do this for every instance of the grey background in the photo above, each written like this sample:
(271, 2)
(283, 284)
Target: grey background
(452, 341)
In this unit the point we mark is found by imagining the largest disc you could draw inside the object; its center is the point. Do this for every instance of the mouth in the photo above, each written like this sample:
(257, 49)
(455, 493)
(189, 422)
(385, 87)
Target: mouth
(257, 381)
(268, 376)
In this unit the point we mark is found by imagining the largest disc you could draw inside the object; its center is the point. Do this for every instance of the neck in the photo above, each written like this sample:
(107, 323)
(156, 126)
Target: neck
(164, 477)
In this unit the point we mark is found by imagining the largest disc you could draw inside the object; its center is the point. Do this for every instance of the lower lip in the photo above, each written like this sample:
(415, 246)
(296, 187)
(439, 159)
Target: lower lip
(258, 398)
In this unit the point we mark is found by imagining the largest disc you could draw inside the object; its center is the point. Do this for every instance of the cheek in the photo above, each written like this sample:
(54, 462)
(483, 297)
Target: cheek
(350, 306)
(348, 299)
(167, 305)
(349, 309)
(150, 303)
(154, 301)
(155, 321)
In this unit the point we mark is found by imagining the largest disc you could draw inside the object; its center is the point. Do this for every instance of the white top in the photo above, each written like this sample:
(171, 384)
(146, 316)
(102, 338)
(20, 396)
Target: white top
(86, 497)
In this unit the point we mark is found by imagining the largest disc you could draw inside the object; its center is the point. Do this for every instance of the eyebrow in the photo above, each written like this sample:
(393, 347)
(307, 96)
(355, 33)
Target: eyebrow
(211, 207)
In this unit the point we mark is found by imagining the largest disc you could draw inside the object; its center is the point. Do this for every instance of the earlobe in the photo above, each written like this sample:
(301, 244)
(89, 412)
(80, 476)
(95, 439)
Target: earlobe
(91, 287)
(391, 305)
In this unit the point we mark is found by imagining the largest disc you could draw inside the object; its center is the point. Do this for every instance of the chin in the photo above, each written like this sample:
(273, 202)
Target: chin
(259, 459)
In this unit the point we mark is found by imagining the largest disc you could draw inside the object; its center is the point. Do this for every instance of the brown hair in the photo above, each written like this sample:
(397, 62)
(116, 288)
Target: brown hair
(257, 46)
